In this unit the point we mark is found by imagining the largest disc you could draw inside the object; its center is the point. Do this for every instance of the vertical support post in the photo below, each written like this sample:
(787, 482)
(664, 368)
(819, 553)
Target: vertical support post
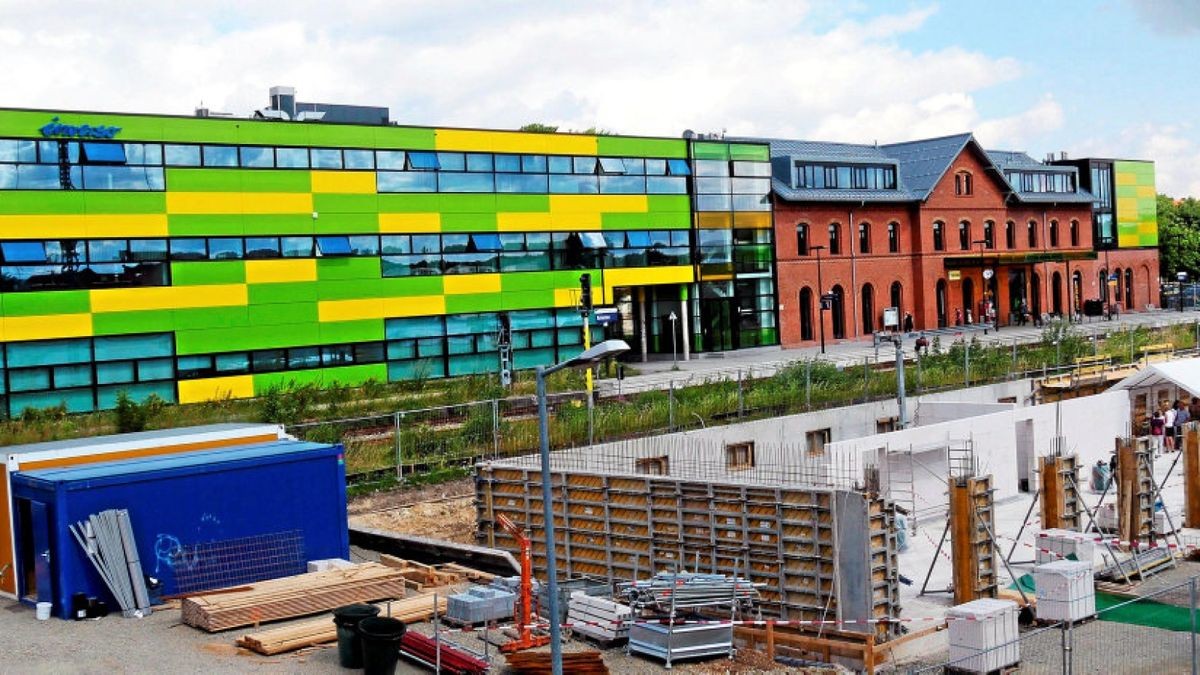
(437, 638)
(901, 393)
(685, 326)
(771, 636)
(741, 396)
(495, 427)
(866, 381)
(399, 457)
(966, 362)
(671, 405)
(1191, 475)
(808, 385)
(1013, 373)
(1192, 616)
(548, 515)
(641, 294)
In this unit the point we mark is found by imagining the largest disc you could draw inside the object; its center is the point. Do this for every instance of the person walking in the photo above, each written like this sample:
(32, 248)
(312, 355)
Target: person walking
(1182, 417)
(1157, 426)
(908, 323)
(1169, 428)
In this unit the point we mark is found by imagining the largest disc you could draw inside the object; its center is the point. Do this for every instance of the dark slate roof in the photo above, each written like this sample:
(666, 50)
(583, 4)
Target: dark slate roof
(924, 162)
(1077, 197)
(1016, 160)
(785, 153)
(820, 151)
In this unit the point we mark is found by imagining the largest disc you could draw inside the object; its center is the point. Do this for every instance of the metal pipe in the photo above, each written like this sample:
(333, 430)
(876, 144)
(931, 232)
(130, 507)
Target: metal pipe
(548, 513)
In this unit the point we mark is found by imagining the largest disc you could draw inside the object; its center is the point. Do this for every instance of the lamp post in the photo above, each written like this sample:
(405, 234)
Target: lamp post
(1182, 278)
(589, 357)
(983, 276)
(820, 296)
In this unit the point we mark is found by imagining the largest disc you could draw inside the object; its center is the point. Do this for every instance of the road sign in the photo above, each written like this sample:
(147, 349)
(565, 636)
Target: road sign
(606, 316)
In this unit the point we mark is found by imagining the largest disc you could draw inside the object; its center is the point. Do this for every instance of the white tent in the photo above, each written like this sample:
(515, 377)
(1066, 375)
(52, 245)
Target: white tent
(1182, 373)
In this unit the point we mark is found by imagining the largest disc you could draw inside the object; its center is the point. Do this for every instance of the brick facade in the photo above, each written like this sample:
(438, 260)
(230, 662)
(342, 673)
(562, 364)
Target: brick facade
(919, 267)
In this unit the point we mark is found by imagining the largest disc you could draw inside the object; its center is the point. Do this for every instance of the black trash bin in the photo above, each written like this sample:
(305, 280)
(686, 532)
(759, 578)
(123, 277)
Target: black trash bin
(380, 644)
(347, 618)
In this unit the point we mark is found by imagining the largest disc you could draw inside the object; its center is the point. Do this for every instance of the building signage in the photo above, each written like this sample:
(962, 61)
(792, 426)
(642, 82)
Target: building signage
(607, 315)
(57, 129)
(954, 275)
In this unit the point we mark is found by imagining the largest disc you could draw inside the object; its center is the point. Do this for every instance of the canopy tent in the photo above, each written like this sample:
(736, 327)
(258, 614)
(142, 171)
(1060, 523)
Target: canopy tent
(1182, 373)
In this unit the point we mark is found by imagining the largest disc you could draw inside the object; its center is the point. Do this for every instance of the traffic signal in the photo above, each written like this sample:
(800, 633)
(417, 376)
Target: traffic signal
(585, 292)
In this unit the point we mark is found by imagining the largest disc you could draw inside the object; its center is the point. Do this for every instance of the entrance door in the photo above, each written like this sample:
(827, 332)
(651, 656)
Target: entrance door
(719, 331)
(35, 577)
(1016, 291)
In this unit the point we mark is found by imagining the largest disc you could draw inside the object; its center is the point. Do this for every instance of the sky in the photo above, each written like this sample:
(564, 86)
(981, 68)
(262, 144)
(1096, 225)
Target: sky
(1103, 78)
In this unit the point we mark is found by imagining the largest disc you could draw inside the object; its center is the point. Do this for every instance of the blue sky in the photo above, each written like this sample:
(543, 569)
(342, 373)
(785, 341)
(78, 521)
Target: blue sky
(1104, 78)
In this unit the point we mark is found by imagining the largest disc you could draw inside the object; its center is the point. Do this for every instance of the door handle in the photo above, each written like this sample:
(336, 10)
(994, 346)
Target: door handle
(46, 555)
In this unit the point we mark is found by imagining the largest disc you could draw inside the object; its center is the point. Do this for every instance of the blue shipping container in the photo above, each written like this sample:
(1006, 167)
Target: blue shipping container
(286, 490)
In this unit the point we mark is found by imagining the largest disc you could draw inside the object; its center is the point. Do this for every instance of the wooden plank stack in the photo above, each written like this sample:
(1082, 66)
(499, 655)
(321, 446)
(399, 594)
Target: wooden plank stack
(433, 576)
(576, 663)
(319, 631)
(294, 596)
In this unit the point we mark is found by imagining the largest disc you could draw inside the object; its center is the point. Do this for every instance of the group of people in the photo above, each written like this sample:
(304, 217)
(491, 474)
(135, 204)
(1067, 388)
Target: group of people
(1166, 425)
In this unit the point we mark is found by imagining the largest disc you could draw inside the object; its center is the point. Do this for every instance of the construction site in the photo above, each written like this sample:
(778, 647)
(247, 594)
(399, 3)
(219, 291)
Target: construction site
(1021, 524)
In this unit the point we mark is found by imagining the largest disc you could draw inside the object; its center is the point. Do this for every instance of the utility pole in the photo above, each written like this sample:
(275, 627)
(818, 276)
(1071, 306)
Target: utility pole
(820, 296)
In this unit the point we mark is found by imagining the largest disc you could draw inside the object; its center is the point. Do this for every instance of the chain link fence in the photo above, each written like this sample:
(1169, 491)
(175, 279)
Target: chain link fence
(1153, 633)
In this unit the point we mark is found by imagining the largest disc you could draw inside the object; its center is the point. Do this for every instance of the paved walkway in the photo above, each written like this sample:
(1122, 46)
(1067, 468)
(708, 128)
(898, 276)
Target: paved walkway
(659, 373)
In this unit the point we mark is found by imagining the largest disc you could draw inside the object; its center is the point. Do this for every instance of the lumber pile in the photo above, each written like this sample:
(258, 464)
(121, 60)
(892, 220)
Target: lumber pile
(294, 596)
(576, 663)
(319, 631)
(434, 576)
(425, 650)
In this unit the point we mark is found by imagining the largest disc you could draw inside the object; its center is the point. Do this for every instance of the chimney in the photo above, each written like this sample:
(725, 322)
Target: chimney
(1062, 154)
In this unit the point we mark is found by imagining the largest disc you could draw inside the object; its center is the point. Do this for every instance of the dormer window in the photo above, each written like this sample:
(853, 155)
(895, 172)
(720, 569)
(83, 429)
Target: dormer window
(963, 184)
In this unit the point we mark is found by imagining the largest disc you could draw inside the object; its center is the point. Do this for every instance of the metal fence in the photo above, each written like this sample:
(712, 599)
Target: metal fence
(1153, 633)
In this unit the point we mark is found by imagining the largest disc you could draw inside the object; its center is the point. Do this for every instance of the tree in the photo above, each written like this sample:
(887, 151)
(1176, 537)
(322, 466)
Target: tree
(538, 128)
(1178, 237)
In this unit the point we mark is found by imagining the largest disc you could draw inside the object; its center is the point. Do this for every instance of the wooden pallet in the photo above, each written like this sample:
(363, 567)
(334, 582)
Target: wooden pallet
(538, 663)
(319, 631)
(291, 597)
(434, 576)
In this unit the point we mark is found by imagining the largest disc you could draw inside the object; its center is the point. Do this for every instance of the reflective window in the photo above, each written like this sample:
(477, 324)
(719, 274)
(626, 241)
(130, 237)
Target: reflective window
(390, 159)
(572, 184)
(262, 247)
(423, 161)
(333, 246)
(291, 158)
(296, 247)
(359, 159)
(528, 183)
(256, 157)
(220, 155)
(189, 249)
(107, 250)
(326, 158)
(465, 182)
(509, 163)
(181, 155)
(225, 249)
(479, 162)
(23, 251)
(123, 178)
(406, 181)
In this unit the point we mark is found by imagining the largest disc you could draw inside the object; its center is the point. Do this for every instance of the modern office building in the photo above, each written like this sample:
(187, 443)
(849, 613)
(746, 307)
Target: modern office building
(196, 258)
(945, 230)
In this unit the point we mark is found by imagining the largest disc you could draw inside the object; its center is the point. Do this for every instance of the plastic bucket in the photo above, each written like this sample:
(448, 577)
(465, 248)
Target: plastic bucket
(380, 644)
(349, 646)
(43, 610)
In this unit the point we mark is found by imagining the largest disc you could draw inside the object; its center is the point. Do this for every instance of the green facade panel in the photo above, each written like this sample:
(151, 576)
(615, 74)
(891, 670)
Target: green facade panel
(468, 222)
(200, 273)
(211, 317)
(752, 152)
(41, 202)
(124, 202)
(244, 338)
(346, 223)
(278, 314)
(474, 302)
(362, 330)
(339, 203)
(340, 269)
(146, 321)
(293, 291)
(345, 375)
(45, 303)
(641, 147)
(703, 150)
(238, 180)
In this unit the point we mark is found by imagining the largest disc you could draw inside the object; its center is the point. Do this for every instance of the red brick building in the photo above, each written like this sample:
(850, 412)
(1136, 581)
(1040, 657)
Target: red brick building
(942, 230)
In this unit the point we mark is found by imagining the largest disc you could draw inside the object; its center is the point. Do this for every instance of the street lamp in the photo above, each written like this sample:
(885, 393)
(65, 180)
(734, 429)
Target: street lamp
(589, 357)
(1182, 278)
(983, 276)
(820, 296)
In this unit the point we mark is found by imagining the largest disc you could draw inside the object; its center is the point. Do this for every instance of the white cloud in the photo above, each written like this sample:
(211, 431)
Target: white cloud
(1172, 148)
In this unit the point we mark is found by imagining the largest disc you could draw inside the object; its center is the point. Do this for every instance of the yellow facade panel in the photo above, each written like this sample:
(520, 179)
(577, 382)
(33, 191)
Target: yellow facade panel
(467, 284)
(417, 305)
(1146, 191)
(350, 310)
(254, 203)
(168, 297)
(344, 182)
(14, 328)
(523, 222)
(1126, 178)
(598, 204)
(511, 141)
(278, 271)
(567, 297)
(567, 222)
(75, 226)
(757, 220)
(216, 388)
(397, 223)
(647, 276)
(714, 220)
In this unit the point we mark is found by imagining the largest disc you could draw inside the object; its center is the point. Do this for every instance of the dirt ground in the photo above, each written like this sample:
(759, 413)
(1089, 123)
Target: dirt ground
(443, 511)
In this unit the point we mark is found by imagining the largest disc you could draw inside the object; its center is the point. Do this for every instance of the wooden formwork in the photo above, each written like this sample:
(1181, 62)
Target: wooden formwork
(1191, 476)
(971, 546)
(1135, 491)
(1060, 505)
(787, 539)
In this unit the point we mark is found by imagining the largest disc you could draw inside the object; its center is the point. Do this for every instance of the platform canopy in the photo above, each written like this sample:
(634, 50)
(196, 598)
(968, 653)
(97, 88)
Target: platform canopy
(1182, 373)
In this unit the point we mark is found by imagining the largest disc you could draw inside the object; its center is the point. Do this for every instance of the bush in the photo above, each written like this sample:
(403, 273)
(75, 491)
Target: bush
(132, 416)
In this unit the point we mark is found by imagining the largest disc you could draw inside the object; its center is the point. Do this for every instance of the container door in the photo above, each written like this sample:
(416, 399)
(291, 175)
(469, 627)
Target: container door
(35, 551)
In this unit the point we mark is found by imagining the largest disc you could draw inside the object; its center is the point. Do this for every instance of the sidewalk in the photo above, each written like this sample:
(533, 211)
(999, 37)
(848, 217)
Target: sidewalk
(660, 373)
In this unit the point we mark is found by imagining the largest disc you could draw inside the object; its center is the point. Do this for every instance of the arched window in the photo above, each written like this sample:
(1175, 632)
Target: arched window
(1076, 291)
(802, 239)
(868, 309)
(989, 234)
(806, 313)
(864, 237)
(1129, 289)
(1054, 234)
(962, 183)
(838, 312)
(1120, 288)
(1074, 233)
(1010, 235)
(893, 237)
(1035, 303)
(1056, 293)
(1103, 281)
(1032, 228)
(941, 303)
(897, 297)
(939, 236)
(964, 235)
(835, 239)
